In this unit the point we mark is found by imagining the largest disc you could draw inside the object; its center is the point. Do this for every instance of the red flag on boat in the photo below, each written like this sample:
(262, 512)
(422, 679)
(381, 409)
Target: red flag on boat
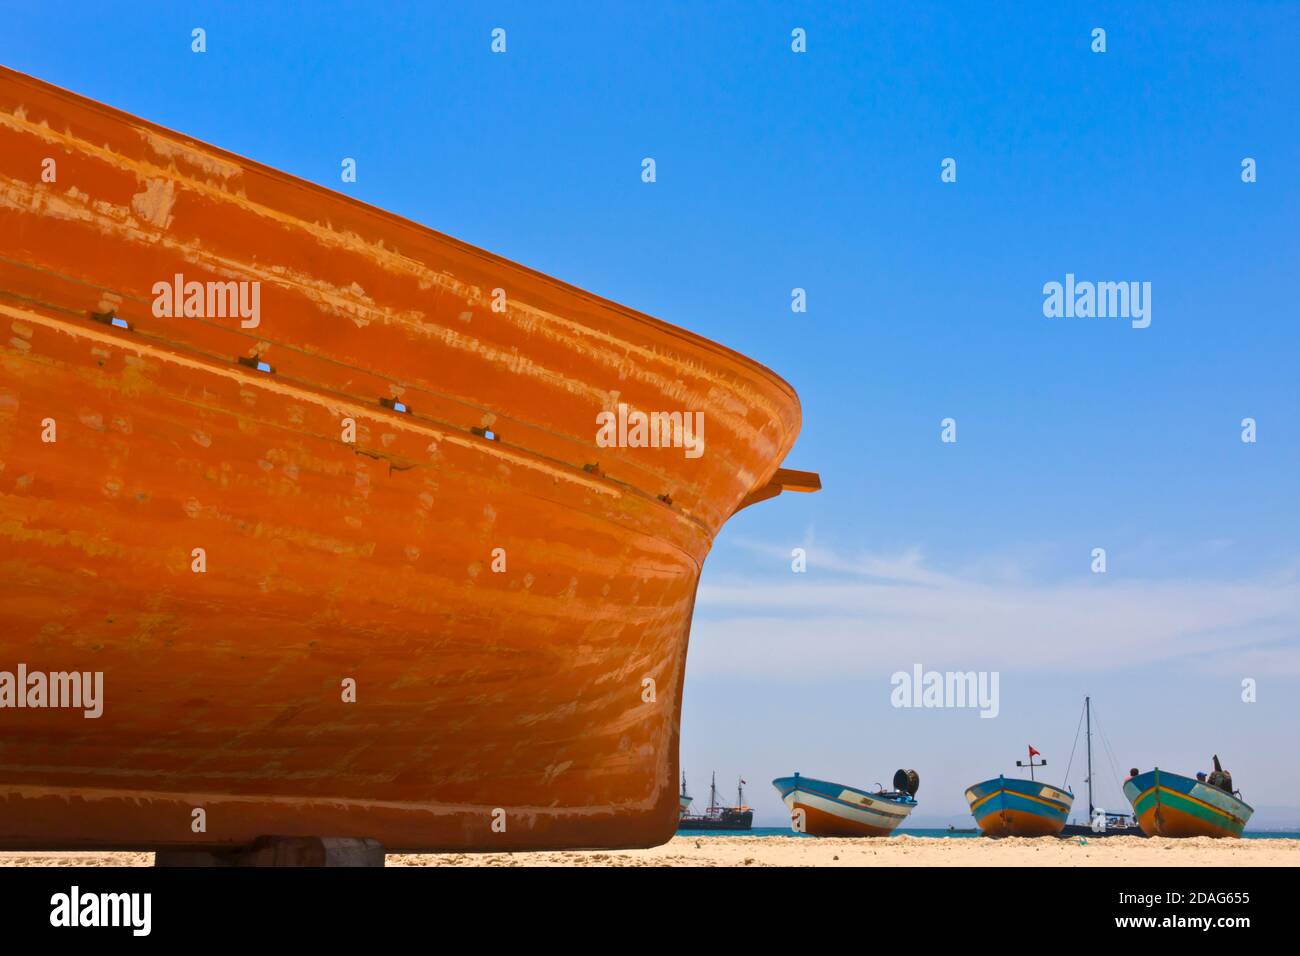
(1033, 753)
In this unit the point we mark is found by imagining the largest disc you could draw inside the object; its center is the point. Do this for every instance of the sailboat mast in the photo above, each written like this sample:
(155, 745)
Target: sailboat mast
(740, 793)
(1087, 706)
(713, 791)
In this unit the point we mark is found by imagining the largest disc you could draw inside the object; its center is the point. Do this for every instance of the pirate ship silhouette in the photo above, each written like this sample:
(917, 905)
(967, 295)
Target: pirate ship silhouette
(716, 816)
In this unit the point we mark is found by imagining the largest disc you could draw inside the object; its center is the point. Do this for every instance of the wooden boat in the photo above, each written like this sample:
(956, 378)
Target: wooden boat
(715, 815)
(822, 808)
(321, 495)
(1171, 805)
(1009, 806)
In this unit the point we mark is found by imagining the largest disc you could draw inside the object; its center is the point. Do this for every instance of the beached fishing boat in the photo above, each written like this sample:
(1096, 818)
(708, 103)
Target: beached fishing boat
(1171, 805)
(363, 531)
(1011, 806)
(822, 808)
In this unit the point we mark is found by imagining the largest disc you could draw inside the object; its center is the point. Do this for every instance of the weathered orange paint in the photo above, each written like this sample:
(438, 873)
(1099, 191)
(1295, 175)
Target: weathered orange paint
(817, 822)
(477, 690)
(1008, 822)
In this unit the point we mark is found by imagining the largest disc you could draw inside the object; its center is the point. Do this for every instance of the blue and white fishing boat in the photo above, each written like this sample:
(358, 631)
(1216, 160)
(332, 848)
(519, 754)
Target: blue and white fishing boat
(822, 808)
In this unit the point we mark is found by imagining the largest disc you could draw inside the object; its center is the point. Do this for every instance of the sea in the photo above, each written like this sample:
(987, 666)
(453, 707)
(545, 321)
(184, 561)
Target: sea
(955, 834)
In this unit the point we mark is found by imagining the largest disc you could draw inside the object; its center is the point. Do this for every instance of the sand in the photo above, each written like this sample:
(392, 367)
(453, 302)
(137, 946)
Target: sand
(796, 851)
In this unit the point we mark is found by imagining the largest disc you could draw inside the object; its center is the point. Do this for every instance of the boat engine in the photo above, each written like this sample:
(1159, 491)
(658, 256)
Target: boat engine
(907, 781)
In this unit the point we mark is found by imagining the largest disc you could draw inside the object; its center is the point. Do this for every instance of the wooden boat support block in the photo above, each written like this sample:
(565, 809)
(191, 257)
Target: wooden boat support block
(783, 479)
(283, 851)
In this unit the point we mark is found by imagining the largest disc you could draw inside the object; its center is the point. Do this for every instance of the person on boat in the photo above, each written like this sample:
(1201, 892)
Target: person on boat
(1220, 778)
(1132, 772)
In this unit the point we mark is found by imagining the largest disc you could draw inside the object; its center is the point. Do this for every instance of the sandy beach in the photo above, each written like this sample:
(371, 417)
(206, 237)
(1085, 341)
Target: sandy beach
(795, 851)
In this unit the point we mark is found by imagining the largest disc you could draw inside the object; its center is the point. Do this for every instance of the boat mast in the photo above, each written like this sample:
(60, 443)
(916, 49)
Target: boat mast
(1087, 708)
(713, 791)
(683, 783)
(740, 793)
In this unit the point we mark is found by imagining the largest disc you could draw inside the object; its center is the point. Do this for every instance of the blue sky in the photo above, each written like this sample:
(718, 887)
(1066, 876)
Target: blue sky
(822, 171)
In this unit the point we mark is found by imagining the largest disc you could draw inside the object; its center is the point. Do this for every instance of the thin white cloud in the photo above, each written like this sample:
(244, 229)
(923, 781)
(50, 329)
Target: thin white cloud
(877, 613)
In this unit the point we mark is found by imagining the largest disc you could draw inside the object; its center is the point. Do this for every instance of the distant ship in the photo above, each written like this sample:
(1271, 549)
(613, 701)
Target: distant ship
(336, 507)
(1012, 806)
(684, 799)
(1171, 805)
(716, 816)
(823, 808)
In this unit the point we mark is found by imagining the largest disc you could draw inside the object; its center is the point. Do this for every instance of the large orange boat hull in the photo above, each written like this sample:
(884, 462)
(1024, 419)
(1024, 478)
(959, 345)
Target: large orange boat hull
(508, 602)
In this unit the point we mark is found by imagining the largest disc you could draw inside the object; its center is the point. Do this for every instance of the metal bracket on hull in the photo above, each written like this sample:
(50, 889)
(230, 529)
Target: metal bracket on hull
(282, 851)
